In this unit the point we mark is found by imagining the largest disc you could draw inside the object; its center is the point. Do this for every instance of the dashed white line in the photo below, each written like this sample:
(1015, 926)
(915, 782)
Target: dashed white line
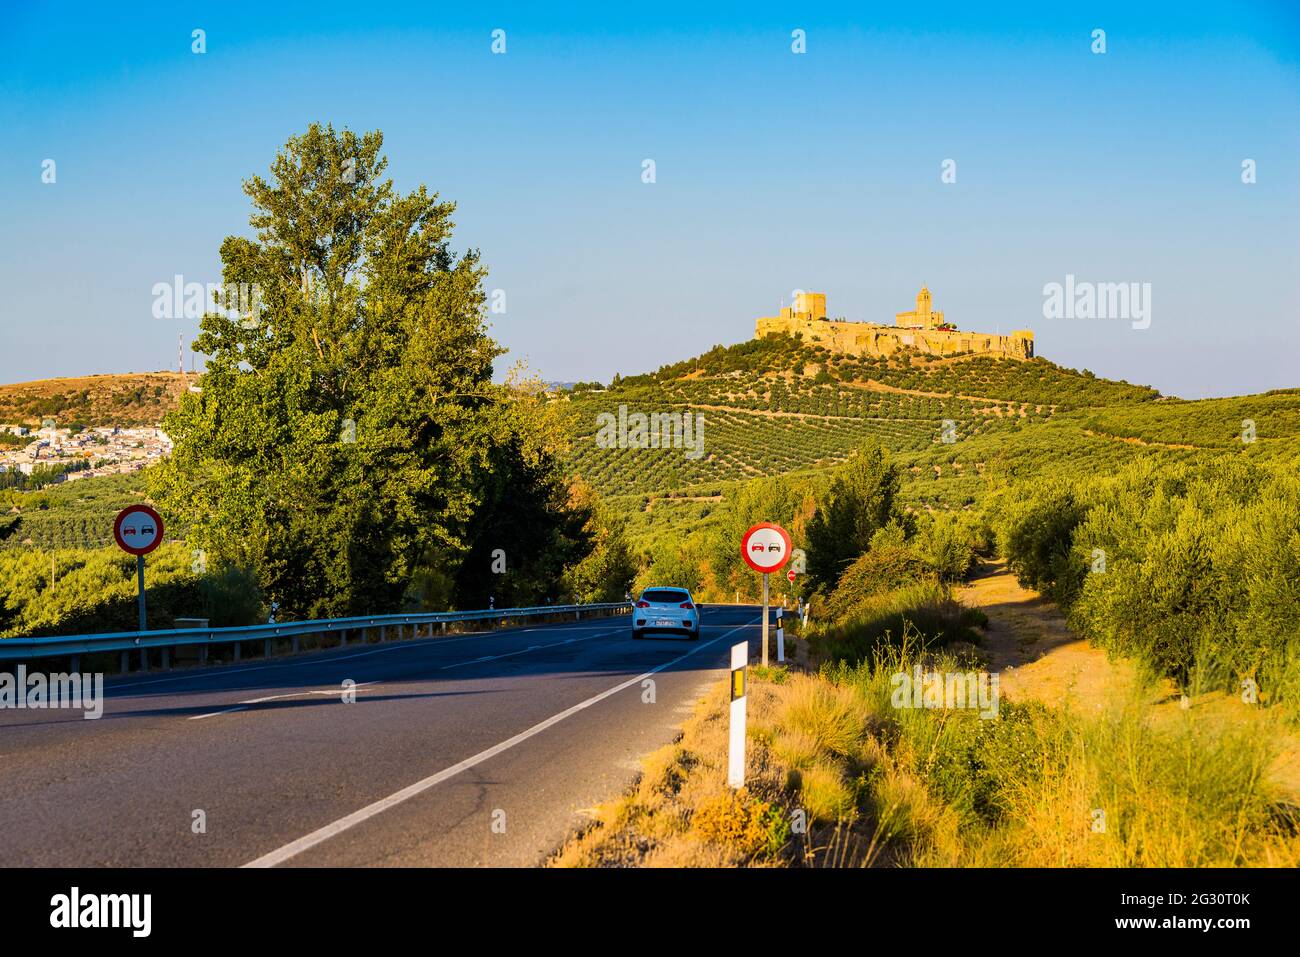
(213, 714)
(458, 664)
(278, 697)
(129, 684)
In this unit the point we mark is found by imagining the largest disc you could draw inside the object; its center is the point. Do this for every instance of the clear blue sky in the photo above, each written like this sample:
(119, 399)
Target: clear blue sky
(775, 171)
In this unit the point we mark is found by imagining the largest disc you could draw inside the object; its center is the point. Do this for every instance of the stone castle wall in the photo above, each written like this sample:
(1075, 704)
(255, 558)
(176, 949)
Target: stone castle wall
(870, 339)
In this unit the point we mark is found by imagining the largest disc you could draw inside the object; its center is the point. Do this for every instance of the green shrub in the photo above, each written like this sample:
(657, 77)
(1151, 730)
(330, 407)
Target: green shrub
(924, 613)
(880, 570)
(1036, 537)
(1192, 569)
(94, 590)
(948, 544)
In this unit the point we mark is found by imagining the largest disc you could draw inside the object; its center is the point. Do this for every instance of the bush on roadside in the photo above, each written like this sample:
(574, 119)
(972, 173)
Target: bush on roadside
(742, 822)
(926, 611)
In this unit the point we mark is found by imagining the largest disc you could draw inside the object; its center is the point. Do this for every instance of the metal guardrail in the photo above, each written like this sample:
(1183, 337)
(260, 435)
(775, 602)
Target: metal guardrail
(27, 649)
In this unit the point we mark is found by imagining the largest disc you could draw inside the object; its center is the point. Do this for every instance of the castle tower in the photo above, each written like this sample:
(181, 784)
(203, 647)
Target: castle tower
(924, 317)
(810, 303)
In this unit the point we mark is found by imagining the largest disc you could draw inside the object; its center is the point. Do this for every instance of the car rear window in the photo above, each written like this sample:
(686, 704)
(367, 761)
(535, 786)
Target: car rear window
(661, 596)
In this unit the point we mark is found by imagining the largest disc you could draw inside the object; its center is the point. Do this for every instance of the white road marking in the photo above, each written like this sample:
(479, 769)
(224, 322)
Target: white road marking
(213, 714)
(276, 697)
(523, 651)
(459, 664)
(299, 694)
(320, 835)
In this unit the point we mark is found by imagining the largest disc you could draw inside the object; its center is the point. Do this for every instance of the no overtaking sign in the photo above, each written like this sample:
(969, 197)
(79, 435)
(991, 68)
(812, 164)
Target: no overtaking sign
(766, 547)
(138, 529)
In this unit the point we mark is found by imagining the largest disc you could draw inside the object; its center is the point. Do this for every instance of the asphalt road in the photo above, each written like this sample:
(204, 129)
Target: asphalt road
(459, 751)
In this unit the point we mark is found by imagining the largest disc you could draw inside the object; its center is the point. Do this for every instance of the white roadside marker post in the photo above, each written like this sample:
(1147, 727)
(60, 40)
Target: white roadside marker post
(780, 636)
(801, 642)
(736, 743)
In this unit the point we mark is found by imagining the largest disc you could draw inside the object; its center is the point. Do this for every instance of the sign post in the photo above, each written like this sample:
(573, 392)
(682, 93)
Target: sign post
(138, 530)
(780, 632)
(139, 589)
(765, 548)
(736, 739)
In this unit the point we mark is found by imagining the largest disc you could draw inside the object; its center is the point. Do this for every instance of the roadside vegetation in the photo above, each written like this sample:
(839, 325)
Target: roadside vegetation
(1199, 584)
(839, 777)
(76, 591)
(1193, 570)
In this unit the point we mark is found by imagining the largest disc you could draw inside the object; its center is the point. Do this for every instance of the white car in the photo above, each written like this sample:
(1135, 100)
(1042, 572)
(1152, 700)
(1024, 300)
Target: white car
(665, 609)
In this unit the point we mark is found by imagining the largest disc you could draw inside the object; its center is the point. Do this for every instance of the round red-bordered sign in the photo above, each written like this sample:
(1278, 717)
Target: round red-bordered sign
(766, 547)
(138, 529)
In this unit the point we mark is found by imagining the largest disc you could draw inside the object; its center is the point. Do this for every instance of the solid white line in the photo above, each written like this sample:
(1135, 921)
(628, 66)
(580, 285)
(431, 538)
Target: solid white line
(294, 848)
(335, 692)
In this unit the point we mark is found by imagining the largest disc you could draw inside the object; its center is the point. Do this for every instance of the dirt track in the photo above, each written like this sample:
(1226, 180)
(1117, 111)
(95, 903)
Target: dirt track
(1040, 658)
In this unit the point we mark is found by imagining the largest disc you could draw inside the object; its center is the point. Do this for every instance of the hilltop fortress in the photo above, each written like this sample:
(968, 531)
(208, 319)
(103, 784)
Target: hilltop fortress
(922, 330)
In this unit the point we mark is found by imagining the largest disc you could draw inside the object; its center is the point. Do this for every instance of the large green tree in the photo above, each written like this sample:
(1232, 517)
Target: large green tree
(607, 570)
(862, 498)
(347, 428)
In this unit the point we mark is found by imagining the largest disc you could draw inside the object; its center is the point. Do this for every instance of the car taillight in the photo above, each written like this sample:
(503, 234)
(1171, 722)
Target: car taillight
(643, 604)
(687, 604)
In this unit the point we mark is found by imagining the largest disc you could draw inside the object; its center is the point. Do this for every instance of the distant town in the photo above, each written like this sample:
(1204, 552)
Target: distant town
(71, 453)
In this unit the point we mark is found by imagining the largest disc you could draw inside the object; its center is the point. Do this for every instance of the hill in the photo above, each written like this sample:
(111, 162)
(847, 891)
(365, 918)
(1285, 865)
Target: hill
(131, 399)
(958, 425)
(777, 405)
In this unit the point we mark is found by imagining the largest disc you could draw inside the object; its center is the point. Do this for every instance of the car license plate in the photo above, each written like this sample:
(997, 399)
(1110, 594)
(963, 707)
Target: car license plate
(665, 623)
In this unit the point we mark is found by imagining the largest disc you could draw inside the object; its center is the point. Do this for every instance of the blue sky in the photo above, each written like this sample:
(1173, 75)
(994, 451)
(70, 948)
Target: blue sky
(774, 171)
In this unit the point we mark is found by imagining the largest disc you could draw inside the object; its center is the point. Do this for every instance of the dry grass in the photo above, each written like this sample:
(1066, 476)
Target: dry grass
(876, 786)
(1191, 793)
(681, 813)
(132, 399)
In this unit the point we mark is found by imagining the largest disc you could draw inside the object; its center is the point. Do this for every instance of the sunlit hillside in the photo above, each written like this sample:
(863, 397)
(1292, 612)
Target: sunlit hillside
(957, 425)
(128, 399)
